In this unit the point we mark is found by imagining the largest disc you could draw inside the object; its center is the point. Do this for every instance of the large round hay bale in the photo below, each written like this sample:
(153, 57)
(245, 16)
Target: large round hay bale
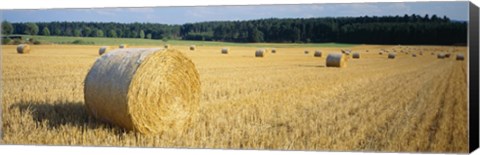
(336, 60)
(225, 50)
(103, 50)
(23, 49)
(260, 53)
(356, 55)
(192, 47)
(317, 54)
(460, 57)
(122, 46)
(391, 55)
(145, 90)
(441, 55)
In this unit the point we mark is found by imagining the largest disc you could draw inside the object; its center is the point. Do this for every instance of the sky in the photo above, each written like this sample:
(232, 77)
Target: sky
(181, 15)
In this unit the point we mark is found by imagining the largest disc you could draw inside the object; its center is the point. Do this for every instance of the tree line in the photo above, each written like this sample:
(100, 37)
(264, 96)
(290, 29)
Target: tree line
(407, 29)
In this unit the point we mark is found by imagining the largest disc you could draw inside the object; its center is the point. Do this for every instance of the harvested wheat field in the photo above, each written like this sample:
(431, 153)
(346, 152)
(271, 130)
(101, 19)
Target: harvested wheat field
(287, 101)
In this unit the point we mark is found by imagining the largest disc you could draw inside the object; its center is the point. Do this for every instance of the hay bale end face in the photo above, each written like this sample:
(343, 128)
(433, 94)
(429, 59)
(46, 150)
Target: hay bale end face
(391, 55)
(460, 57)
(103, 50)
(145, 90)
(122, 46)
(192, 47)
(317, 54)
(23, 49)
(260, 53)
(336, 60)
(356, 55)
(225, 50)
(441, 56)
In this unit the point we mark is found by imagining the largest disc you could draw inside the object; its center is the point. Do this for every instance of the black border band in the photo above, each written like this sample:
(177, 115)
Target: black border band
(473, 79)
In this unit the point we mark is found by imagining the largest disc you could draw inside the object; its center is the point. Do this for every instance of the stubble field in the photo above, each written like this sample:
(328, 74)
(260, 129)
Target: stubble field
(287, 101)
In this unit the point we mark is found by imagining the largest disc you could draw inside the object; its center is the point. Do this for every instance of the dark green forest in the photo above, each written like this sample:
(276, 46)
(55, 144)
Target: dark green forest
(407, 29)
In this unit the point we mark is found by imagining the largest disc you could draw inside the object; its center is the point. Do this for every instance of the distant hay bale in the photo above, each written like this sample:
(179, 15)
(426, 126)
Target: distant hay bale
(122, 46)
(391, 55)
(356, 55)
(306, 52)
(366, 51)
(447, 55)
(274, 50)
(260, 53)
(23, 49)
(414, 55)
(460, 57)
(225, 50)
(103, 50)
(421, 53)
(317, 54)
(441, 56)
(380, 53)
(145, 90)
(192, 47)
(166, 46)
(336, 60)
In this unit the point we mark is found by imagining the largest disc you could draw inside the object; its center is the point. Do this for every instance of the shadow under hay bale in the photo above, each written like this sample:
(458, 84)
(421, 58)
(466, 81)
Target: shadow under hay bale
(145, 90)
(336, 60)
(23, 49)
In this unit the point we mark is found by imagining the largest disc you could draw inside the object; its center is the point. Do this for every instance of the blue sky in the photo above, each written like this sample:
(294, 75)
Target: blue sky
(181, 15)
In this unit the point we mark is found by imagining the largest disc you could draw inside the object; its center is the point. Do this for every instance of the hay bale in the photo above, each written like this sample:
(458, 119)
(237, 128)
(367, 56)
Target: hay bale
(317, 54)
(103, 50)
(391, 55)
(192, 47)
(460, 57)
(166, 46)
(441, 56)
(144, 90)
(336, 60)
(356, 55)
(122, 46)
(306, 52)
(447, 55)
(23, 49)
(260, 53)
(225, 50)
(414, 55)
(380, 53)
(274, 50)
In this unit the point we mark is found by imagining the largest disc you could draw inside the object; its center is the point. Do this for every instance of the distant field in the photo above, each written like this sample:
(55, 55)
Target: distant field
(131, 41)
